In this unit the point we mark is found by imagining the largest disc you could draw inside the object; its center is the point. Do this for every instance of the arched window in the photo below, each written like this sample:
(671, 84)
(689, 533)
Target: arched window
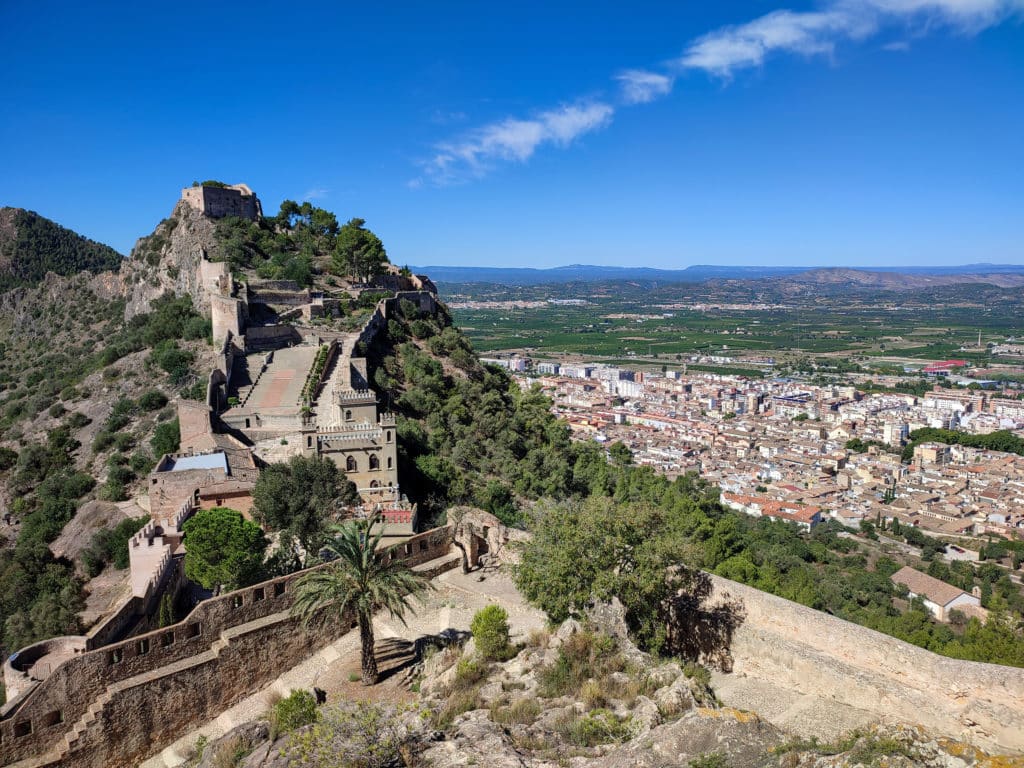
(390, 461)
(387, 435)
(374, 484)
(348, 415)
(374, 461)
(350, 464)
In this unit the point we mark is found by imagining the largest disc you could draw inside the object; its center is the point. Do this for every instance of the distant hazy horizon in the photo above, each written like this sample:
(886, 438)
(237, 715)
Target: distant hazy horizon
(860, 133)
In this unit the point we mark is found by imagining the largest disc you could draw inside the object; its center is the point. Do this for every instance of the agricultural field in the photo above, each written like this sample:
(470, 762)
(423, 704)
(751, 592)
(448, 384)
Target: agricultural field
(672, 322)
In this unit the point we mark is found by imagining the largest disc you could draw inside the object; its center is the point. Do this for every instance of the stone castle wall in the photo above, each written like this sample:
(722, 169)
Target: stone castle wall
(218, 202)
(808, 651)
(121, 703)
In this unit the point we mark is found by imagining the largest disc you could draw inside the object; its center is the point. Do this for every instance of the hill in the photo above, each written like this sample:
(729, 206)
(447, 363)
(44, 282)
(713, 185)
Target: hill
(896, 277)
(31, 246)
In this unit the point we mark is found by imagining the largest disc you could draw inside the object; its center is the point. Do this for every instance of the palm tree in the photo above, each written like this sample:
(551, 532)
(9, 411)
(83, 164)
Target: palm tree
(358, 578)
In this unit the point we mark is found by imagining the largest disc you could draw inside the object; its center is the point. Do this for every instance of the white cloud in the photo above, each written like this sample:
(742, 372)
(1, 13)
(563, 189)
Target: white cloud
(726, 50)
(316, 193)
(640, 86)
(897, 46)
(514, 140)
(723, 51)
(965, 15)
(720, 53)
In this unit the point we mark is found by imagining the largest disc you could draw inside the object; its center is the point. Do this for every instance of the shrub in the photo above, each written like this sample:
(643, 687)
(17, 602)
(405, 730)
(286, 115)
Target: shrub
(581, 657)
(166, 438)
(294, 711)
(152, 400)
(520, 712)
(8, 458)
(102, 441)
(57, 410)
(77, 420)
(468, 673)
(355, 736)
(491, 633)
(601, 726)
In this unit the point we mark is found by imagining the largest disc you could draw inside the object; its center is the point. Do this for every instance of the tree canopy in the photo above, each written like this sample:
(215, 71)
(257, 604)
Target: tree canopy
(223, 549)
(297, 497)
(358, 252)
(39, 245)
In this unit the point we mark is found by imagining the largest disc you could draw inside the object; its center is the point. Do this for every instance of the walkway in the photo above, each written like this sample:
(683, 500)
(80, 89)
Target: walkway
(451, 605)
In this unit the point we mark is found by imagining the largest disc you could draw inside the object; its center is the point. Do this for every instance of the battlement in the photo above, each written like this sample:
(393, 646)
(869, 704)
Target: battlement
(357, 396)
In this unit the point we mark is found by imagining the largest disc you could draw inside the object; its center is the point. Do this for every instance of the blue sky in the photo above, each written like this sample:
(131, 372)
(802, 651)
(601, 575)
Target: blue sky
(844, 132)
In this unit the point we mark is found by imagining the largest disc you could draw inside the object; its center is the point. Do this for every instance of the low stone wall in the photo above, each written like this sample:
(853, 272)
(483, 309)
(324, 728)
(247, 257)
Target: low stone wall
(811, 652)
(16, 676)
(270, 337)
(129, 699)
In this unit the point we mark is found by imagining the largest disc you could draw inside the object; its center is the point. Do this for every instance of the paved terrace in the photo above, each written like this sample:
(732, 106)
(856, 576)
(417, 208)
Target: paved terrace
(280, 385)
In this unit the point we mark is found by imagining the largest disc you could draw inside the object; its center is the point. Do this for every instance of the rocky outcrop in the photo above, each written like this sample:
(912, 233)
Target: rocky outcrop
(576, 698)
(168, 261)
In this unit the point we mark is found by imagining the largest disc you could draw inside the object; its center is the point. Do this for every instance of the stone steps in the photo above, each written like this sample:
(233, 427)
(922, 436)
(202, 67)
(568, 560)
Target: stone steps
(73, 736)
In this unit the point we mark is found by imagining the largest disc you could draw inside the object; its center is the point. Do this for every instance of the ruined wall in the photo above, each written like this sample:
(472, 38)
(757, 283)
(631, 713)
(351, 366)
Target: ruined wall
(217, 202)
(129, 699)
(227, 316)
(811, 652)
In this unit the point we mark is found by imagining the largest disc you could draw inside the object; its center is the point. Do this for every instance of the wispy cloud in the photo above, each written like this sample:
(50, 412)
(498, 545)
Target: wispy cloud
(720, 53)
(640, 86)
(316, 193)
(513, 140)
(724, 51)
(897, 46)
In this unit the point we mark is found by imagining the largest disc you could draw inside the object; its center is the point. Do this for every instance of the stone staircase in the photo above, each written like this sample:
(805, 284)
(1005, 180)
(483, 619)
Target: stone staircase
(73, 738)
(327, 408)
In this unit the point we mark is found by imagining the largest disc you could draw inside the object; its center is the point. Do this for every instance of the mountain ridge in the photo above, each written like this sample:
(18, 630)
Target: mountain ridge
(32, 245)
(694, 273)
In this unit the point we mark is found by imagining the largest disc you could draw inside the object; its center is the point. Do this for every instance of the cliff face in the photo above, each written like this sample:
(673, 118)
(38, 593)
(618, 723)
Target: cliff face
(167, 261)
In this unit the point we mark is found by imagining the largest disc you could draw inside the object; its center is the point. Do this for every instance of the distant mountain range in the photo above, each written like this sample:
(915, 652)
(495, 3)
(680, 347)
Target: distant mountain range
(698, 273)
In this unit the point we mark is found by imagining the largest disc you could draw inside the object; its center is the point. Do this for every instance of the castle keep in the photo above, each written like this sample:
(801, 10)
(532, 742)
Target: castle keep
(218, 202)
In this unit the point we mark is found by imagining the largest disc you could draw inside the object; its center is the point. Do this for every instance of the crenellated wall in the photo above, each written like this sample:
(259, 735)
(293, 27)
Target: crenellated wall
(116, 705)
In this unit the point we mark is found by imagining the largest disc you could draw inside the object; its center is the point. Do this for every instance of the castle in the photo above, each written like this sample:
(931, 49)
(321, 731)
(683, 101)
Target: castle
(218, 201)
(281, 387)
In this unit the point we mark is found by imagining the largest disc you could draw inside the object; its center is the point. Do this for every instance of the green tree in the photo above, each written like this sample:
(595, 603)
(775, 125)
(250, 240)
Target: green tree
(166, 438)
(358, 251)
(491, 632)
(620, 453)
(593, 550)
(296, 498)
(358, 579)
(223, 549)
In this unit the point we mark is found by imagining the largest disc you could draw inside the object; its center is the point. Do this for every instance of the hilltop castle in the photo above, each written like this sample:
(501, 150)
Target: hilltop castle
(218, 201)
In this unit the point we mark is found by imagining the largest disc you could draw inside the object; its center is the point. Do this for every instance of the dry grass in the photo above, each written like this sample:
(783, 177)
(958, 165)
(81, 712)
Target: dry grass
(522, 711)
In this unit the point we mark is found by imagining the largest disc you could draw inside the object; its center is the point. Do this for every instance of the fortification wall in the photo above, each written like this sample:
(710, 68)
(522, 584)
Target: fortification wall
(129, 699)
(227, 316)
(217, 202)
(811, 652)
(270, 337)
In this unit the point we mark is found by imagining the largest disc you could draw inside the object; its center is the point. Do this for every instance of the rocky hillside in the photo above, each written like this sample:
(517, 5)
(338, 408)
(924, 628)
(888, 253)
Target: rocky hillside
(578, 697)
(31, 246)
(167, 261)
